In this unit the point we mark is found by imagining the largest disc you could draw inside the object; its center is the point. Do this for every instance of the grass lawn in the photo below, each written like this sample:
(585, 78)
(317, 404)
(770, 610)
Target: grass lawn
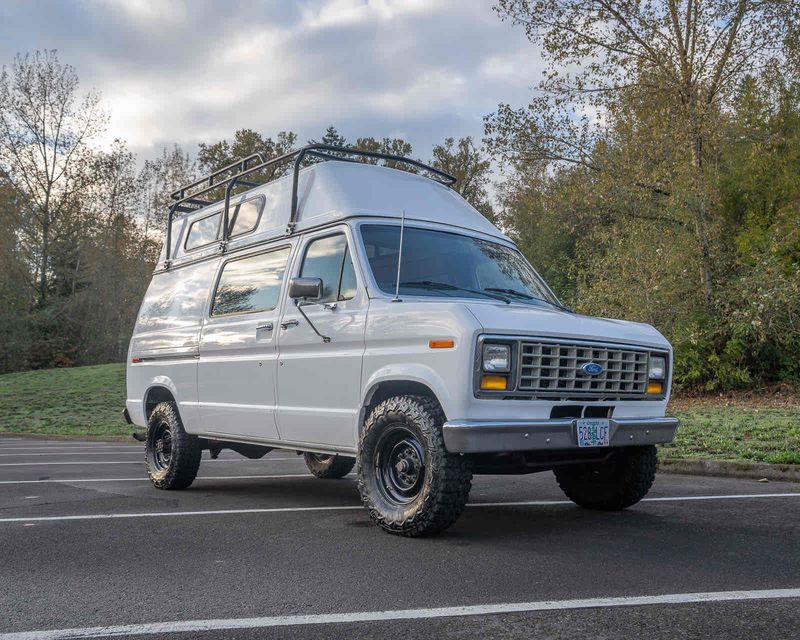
(752, 428)
(82, 401)
(88, 401)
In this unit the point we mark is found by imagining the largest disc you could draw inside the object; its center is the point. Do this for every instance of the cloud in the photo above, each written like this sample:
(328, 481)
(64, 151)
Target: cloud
(195, 70)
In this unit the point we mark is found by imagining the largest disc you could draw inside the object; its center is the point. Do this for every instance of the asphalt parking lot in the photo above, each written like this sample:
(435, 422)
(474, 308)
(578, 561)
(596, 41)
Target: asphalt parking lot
(261, 549)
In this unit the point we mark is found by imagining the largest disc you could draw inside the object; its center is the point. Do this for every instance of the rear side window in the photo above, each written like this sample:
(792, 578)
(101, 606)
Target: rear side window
(329, 258)
(244, 217)
(203, 232)
(250, 284)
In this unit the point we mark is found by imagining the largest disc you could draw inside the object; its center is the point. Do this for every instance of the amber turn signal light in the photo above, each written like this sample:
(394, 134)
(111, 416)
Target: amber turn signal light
(441, 344)
(654, 386)
(494, 383)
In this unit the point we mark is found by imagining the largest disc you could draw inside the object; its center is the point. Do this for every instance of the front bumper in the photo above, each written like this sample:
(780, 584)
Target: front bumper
(559, 434)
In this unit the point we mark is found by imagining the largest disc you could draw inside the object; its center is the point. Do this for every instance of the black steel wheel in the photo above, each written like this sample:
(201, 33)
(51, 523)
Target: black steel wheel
(161, 445)
(399, 464)
(408, 482)
(328, 467)
(172, 456)
(616, 484)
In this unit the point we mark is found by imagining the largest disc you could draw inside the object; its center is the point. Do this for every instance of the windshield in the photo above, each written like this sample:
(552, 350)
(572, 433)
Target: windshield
(437, 263)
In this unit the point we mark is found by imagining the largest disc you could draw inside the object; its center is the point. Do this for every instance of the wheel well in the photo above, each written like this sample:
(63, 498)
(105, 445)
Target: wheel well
(395, 388)
(156, 395)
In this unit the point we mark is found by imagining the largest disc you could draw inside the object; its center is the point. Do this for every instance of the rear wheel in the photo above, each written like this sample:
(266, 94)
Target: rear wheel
(172, 456)
(612, 485)
(408, 482)
(328, 467)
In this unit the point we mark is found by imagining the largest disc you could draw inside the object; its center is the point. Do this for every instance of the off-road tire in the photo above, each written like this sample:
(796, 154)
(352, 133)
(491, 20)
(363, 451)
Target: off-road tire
(444, 479)
(613, 485)
(328, 467)
(185, 450)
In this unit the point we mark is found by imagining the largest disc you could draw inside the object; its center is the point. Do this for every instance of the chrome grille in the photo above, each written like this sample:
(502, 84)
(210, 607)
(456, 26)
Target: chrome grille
(550, 368)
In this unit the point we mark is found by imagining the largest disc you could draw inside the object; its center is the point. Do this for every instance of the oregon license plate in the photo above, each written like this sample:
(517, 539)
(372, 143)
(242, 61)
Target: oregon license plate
(593, 432)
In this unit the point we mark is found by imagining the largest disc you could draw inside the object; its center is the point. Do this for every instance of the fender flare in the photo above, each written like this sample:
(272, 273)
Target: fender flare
(159, 382)
(408, 372)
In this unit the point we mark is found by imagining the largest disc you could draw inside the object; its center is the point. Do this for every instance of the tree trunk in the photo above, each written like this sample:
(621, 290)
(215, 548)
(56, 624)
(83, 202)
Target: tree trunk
(701, 214)
(45, 257)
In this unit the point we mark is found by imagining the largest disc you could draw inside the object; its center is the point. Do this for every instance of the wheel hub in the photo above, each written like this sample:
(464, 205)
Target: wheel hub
(162, 446)
(400, 465)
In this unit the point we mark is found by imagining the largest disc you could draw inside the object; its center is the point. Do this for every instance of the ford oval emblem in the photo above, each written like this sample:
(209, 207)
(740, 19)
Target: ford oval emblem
(592, 369)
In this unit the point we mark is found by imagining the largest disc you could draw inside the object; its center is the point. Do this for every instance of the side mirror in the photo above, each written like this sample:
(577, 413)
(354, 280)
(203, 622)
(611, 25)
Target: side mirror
(306, 288)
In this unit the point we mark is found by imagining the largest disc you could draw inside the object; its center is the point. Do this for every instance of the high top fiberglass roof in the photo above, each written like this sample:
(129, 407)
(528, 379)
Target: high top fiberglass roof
(332, 191)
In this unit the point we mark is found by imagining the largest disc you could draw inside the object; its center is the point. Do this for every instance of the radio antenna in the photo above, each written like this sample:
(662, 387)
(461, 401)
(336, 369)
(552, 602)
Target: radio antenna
(399, 259)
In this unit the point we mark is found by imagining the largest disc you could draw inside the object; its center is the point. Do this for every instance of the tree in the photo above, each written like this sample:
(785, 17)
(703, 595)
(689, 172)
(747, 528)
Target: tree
(681, 57)
(100, 273)
(157, 180)
(245, 143)
(393, 146)
(471, 166)
(16, 290)
(46, 130)
(331, 137)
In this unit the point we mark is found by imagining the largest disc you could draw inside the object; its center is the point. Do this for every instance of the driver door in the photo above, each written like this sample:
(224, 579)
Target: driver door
(319, 384)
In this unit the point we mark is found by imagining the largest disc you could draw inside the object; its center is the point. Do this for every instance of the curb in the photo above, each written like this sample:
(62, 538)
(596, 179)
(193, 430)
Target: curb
(731, 469)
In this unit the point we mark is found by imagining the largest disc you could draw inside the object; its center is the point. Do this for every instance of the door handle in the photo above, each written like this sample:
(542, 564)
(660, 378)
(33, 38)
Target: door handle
(289, 323)
(267, 326)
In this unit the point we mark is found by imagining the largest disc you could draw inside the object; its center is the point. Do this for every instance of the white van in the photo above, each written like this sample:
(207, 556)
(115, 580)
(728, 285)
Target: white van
(356, 313)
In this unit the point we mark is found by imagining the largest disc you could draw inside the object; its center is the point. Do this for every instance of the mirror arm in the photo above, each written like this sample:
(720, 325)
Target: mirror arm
(299, 306)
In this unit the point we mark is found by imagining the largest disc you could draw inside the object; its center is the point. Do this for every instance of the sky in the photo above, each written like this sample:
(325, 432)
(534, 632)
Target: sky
(190, 71)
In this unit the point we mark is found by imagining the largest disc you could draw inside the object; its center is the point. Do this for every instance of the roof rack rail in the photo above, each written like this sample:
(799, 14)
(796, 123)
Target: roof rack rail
(208, 181)
(187, 199)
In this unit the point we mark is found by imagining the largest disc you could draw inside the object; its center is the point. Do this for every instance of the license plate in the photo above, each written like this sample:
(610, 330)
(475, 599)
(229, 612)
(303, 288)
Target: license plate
(593, 432)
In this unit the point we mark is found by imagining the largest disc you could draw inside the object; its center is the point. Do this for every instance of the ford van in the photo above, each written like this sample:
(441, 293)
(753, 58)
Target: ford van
(366, 316)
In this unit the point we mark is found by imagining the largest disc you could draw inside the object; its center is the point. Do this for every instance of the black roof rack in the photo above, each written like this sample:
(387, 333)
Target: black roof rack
(187, 198)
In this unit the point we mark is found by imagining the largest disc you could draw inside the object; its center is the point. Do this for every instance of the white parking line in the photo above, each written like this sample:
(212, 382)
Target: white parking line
(165, 514)
(119, 447)
(205, 460)
(82, 480)
(197, 626)
(218, 512)
(118, 452)
(64, 441)
(732, 496)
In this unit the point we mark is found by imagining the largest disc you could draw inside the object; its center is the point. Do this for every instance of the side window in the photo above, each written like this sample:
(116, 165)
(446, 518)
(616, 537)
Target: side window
(203, 232)
(329, 258)
(250, 284)
(244, 217)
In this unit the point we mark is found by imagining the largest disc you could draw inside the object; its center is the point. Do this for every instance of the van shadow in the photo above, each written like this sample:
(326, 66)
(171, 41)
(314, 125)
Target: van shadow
(344, 491)
(520, 524)
(478, 525)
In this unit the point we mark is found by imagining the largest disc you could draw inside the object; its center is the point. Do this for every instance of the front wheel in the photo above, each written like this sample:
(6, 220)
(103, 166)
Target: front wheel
(172, 456)
(408, 482)
(328, 467)
(615, 484)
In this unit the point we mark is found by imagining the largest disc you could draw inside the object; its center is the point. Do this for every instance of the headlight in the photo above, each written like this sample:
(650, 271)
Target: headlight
(658, 368)
(496, 357)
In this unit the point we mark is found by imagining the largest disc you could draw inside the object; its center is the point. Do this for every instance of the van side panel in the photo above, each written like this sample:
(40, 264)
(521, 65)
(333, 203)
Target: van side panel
(166, 340)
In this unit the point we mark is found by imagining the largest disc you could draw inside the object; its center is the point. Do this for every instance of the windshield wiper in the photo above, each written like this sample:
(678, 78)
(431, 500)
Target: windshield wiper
(528, 296)
(512, 292)
(429, 284)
